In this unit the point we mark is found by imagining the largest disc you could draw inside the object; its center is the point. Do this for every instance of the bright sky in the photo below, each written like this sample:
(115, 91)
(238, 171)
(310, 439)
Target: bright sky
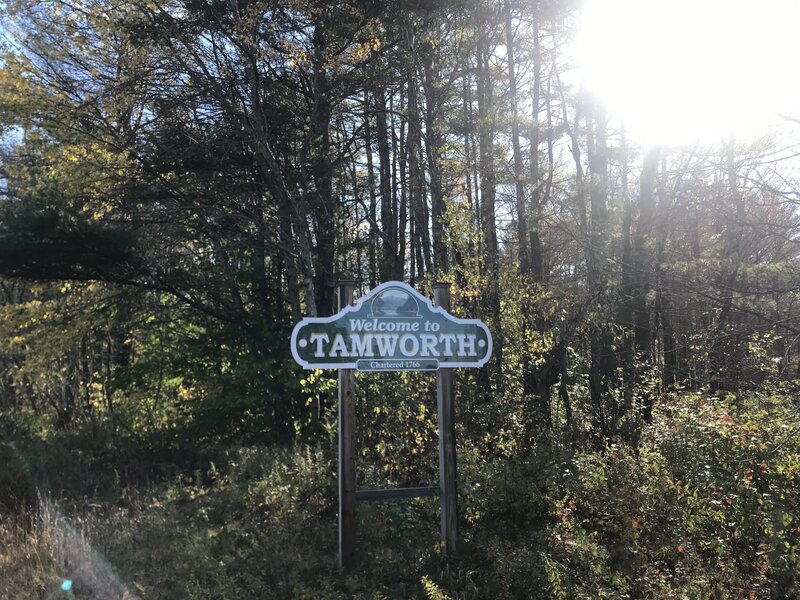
(675, 71)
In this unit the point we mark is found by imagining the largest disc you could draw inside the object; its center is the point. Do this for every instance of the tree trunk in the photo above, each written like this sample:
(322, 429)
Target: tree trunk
(601, 364)
(491, 259)
(402, 184)
(433, 150)
(642, 335)
(663, 299)
(421, 241)
(321, 196)
(372, 247)
(390, 267)
(535, 258)
(625, 316)
(519, 182)
(730, 348)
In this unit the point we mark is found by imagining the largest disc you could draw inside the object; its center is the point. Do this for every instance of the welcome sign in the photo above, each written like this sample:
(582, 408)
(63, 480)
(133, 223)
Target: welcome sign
(392, 328)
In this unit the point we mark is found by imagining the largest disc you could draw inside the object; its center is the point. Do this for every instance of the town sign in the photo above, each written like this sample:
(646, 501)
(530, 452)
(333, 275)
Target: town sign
(392, 328)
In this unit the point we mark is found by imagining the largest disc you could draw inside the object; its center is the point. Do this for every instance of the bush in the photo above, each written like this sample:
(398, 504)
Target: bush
(707, 507)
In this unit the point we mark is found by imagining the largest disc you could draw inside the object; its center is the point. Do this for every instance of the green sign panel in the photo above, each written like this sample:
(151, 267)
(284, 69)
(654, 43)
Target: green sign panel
(392, 328)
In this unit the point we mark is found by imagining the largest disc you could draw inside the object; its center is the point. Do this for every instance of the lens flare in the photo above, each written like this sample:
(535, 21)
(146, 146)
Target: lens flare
(683, 70)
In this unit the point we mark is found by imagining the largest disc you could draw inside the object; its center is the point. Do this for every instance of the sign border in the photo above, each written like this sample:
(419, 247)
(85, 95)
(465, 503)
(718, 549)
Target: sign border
(368, 296)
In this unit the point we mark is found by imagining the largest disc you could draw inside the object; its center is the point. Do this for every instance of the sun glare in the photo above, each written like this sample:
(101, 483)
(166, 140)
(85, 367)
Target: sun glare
(676, 71)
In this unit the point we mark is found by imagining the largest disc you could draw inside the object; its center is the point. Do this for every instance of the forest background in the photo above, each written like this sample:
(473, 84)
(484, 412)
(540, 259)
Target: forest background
(182, 181)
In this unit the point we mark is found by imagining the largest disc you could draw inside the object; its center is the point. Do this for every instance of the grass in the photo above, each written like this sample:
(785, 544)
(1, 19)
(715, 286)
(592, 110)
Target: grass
(27, 567)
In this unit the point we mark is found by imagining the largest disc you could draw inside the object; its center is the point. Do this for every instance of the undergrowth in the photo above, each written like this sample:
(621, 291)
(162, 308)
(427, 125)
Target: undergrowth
(706, 507)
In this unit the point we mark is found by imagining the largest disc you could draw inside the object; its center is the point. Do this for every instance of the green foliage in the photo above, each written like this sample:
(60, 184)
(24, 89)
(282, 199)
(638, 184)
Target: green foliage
(17, 493)
(706, 507)
(397, 434)
(432, 591)
(41, 244)
(181, 182)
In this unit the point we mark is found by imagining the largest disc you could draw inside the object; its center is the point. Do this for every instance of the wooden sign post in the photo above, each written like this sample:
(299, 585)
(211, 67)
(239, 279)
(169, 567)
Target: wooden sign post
(347, 455)
(445, 402)
(393, 328)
